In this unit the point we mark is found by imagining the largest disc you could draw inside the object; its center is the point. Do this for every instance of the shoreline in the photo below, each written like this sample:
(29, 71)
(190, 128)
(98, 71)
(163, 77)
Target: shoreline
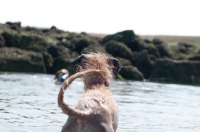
(42, 50)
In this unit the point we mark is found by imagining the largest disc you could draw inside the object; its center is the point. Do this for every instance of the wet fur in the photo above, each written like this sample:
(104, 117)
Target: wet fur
(96, 111)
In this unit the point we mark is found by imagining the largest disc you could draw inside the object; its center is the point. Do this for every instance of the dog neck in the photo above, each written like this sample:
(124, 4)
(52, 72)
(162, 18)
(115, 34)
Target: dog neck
(97, 83)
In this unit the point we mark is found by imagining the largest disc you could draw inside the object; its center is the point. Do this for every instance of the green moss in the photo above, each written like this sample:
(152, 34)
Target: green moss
(118, 49)
(119, 77)
(124, 62)
(176, 71)
(131, 73)
(14, 59)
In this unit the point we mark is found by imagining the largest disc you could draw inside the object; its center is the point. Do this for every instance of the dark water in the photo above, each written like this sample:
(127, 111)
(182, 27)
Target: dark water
(28, 103)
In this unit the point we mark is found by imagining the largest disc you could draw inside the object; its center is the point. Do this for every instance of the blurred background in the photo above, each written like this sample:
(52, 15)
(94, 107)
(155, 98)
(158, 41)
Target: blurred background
(156, 41)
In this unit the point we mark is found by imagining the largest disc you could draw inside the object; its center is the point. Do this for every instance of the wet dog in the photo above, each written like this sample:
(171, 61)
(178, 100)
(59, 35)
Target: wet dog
(97, 110)
(61, 76)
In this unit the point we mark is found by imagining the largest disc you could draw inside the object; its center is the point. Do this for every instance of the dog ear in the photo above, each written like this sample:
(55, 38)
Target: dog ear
(76, 62)
(116, 66)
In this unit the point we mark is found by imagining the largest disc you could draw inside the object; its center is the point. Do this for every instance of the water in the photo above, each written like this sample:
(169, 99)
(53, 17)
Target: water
(28, 103)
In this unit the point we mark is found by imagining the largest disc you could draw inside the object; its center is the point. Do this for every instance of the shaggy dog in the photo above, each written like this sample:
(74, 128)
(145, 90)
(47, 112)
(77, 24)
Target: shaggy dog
(97, 110)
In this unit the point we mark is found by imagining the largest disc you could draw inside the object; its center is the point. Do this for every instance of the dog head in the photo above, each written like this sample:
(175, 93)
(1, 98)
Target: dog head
(58, 79)
(96, 61)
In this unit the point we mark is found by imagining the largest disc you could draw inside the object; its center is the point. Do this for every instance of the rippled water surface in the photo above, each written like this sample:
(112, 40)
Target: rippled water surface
(28, 103)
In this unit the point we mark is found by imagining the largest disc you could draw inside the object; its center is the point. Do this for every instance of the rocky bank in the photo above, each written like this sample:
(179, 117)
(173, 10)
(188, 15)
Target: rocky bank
(41, 50)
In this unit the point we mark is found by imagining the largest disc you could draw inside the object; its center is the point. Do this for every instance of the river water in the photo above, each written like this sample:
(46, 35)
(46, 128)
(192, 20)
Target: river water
(28, 103)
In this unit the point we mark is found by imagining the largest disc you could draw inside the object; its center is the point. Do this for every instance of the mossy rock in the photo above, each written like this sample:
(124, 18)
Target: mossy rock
(131, 73)
(48, 59)
(195, 57)
(124, 62)
(62, 57)
(186, 48)
(127, 37)
(79, 42)
(198, 52)
(174, 71)
(136, 45)
(162, 48)
(163, 51)
(33, 43)
(48, 62)
(144, 62)
(2, 41)
(63, 63)
(27, 42)
(118, 49)
(52, 30)
(94, 46)
(151, 48)
(59, 50)
(11, 39)
(18, 60)
(32, 30)
(14, 25)
(157, 41)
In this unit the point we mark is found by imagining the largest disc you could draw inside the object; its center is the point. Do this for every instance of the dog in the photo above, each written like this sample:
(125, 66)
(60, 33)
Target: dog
(97, 110)
(61, 76)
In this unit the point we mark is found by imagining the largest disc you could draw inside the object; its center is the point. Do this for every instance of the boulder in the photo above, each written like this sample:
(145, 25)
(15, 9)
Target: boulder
(144, 62)
(93, 48)
(186, 48)
(52, 30)
(124, 36)
(157, 41)
(147, 41)
(63, 63)
(118, 49)
(62, 57)
(163, 51)
(59, 50)
(198, 52)
(32, 30)
(131, 73)
(18, 60)
(151, 48)
(161, 47)
(27, 42)
(48, 59)
(127, 37)
(2, 41)
(174, 71)
(78, 43)
(124, 62)
(94, 44)
(11, 39)
(195, 57)
(14, 25)
(33, 43)
(48, 62)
